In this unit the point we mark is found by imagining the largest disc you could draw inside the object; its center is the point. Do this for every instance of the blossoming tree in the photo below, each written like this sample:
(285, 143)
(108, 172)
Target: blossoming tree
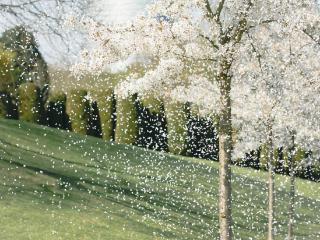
(181, 41)
(280, 100)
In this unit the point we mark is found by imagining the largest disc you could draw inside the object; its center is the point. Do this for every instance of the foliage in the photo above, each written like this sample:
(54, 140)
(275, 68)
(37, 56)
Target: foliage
(27, 58)
(106, 108)
(7, 83)
(78, 110)
(152, 124)
(30, 107)
(56, 111)
(3, 105)
(94, 124)
(202, 137)
(126, 122)
(177, 120)
(152, 103)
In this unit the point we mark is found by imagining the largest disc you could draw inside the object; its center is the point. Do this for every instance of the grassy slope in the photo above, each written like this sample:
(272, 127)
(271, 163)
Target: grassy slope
(58, 185)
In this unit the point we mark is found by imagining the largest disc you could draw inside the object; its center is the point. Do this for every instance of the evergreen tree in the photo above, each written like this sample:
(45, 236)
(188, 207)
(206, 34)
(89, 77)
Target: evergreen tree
(28, 59)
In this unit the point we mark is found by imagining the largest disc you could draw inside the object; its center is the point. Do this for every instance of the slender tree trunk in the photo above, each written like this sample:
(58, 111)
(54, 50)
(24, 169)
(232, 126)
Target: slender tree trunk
(270, 185)
(292, 191)
(225, 149)
(291, 205)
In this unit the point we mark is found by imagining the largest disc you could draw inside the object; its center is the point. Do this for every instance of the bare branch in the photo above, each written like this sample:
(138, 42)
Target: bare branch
(218, 12)
(314, 39)
(258, 55)
(210, 41)
(210, 13)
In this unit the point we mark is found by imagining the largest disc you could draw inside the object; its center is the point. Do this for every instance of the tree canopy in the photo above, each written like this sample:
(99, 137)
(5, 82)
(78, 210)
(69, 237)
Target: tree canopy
(27, 58)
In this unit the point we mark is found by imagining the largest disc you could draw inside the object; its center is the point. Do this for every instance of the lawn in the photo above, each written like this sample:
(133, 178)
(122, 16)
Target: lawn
(60, 185)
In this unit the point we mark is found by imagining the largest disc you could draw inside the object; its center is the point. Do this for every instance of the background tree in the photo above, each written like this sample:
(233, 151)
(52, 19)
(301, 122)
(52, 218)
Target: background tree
(7, 81)
(28, 59)
(47, 20)
(279, 94)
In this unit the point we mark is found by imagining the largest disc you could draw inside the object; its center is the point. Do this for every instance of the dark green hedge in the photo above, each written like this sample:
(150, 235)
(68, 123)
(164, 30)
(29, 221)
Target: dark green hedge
(152, 124)
(126, 121)
(177, 120)
(30, 108)
(78, 109)
(94, 126)
(202, 138)
(4, 105)
(258, 159)
(56, 111)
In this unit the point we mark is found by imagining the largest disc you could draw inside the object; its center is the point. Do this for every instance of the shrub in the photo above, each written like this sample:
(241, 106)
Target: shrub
(8, 76)
(278, 161)
(106, 107)
(27, 58)
(4, 105)
(279, 158)
(154, 105)
(56, 111)
(94, 125)
(202, 137)
(126, 122)
(78, 109)
(314, 173)
(263, 156)
(30, 109)
(151, 124)
(177, 127)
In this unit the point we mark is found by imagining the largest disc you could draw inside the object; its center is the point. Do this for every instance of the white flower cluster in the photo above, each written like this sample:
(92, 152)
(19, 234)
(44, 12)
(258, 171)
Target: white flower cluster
(201, 92)
(270, 50)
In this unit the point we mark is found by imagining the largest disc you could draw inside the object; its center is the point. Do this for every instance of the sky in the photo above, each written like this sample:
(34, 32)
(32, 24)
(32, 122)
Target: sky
(116, 11)
(121, 10)
(110, 11)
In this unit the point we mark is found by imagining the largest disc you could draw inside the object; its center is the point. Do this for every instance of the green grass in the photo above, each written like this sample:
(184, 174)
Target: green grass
(59, 185)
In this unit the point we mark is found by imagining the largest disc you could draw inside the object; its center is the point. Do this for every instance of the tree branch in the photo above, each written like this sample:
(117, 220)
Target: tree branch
(317, 41)
(210, 41)
(210, 13)
(218, 12)
(258, 55)
(243, 24)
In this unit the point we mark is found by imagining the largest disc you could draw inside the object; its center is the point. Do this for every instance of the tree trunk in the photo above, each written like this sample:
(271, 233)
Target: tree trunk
(291, 192)
(291, 205)
(225, 149)
(270, 184)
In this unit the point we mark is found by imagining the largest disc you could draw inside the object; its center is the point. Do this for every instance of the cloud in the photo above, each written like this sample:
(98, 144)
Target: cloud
(120, 10)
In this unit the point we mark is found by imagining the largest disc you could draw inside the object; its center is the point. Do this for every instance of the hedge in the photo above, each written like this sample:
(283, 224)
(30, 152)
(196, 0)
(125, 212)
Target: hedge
(126, 121)
(154, 105)
(56, 111)
(177, 129)
(4, 105)
(94, 125)
(78, 109)
(152, 124)
(202, 138)
(30, 108)
(105, 104)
